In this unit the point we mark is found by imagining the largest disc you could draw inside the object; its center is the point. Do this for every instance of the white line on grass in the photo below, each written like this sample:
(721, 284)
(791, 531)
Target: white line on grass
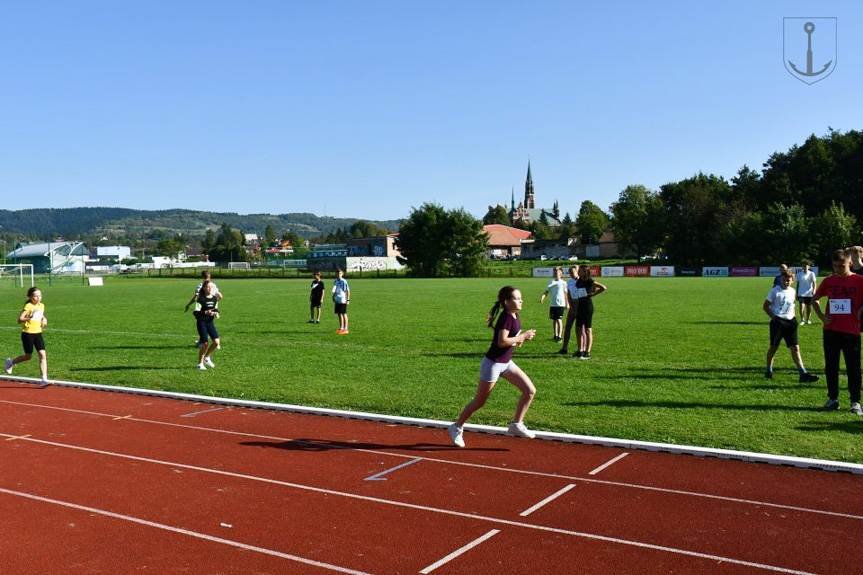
(462, 463)
(460, 551)
(194, 534)
(416, 507)
(608, 463)
(547, 500)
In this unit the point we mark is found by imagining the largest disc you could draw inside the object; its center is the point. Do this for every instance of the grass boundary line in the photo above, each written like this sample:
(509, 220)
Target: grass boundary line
(748, 456)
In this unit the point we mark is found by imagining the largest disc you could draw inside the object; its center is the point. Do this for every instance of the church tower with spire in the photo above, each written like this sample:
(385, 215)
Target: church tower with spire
(529, 201)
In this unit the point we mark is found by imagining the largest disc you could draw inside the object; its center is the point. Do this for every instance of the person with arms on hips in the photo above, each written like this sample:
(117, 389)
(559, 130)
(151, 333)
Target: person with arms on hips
(779, 307)
(316, 297)
(572, 304)
(587, 290)
(497, 363)
(557, 303)
(341, 299)
(34, 321)
(844, 292)
(806, 284)
(205, 323)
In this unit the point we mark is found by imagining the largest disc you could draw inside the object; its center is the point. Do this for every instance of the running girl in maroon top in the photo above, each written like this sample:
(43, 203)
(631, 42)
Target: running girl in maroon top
(498, 363)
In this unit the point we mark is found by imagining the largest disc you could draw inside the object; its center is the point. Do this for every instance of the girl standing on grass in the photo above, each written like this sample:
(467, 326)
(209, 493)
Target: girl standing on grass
(587, 290)
(497, 363)
(205, 322)
(34, 320)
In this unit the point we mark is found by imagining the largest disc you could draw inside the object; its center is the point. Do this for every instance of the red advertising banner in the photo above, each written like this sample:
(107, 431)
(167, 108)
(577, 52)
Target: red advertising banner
(637, 271)
(595, 271)
(743, 271)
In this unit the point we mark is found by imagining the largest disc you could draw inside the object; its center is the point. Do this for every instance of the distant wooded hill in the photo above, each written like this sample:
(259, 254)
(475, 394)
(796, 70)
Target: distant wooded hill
(48, 222)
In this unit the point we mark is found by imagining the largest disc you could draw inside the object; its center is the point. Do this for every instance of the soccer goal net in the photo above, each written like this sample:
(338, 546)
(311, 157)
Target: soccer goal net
(238, 265)
(18, 273)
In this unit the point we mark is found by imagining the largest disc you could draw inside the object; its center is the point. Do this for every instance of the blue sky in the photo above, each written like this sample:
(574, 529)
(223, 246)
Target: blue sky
(367, 109)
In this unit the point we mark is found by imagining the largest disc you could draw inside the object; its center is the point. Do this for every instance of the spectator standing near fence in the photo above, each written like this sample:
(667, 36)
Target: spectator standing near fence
(806, 284)
(557, 302)
(844, 292)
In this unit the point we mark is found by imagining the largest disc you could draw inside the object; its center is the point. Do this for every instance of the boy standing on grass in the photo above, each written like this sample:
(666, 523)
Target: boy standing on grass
(315, 298)
(844, 291)
(558, 303)
(341, 298)
(806, 284)
(779, 307)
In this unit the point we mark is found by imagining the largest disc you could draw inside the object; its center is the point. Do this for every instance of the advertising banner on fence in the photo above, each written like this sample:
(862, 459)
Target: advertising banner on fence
(714, 272)
(662, 271)
(543, 272)
(612, 271)
(595, 271)
(768, 271)
(744, 272)
(689, 272)
(636, 271)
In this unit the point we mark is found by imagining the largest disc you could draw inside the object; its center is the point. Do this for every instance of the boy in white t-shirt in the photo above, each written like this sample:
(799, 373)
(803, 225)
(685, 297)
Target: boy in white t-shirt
(806, 284)
(557, 303)
(779, 307)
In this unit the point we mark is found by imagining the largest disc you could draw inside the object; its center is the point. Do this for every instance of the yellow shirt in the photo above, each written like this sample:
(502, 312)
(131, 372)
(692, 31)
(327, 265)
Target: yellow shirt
(35, 313)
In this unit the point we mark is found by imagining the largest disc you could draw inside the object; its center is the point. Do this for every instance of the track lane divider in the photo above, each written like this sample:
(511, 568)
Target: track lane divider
(547, 500)
(425, 508)
(377, 476)
(460, 551)
(609, 463)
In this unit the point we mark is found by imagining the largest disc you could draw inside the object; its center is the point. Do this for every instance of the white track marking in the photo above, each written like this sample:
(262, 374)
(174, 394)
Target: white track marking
(200, 412)
(460, 551)
(607, 463)
(194, 534)
(16, 437)
(377, 476)
(547, 500)
(464, 463)
(416, 507)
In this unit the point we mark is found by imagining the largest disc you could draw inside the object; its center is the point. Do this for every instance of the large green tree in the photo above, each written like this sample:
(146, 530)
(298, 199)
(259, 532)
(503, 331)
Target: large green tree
(636, 220)
(496, 215)
(590, 223)
(434, 241)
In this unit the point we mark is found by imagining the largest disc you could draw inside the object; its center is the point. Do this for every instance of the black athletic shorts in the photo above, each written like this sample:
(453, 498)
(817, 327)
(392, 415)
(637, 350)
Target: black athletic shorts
(341, 308)
(31, 340)
(555, 312)
(783, 329)
(805, 299)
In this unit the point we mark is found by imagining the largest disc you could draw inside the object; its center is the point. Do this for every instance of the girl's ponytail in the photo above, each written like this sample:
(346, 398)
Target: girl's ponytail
(504, 294)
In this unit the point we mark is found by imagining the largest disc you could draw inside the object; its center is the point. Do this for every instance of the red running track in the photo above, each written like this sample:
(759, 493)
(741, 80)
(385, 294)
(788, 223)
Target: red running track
(94, 482)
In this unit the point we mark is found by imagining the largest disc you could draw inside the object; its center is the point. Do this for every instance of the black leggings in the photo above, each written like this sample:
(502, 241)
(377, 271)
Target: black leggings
(848, 344)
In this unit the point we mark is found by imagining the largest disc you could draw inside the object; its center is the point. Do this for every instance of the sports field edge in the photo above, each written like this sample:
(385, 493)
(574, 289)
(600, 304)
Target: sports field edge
(748, 456)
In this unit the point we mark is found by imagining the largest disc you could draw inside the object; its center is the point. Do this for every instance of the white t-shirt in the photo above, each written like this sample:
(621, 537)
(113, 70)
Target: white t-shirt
(557, 293)
(806, 283)
(782, 302)
(340, 291)
(572, 288)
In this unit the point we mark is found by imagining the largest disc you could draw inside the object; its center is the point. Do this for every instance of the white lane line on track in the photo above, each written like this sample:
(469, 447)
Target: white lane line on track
(194, 534)
(609, 463)
(416, 507)
(460, 551)
(16, 437)
(193, 414)
(377, 476)
(547, 500)
(466, 464)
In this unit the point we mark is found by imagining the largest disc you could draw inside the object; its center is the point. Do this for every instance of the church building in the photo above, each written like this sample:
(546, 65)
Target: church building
(527, 212)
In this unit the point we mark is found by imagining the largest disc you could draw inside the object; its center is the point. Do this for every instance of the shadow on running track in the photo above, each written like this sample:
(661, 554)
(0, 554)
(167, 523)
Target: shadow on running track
(324, 445)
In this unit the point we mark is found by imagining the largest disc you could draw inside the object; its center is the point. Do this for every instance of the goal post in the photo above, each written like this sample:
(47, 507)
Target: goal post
(18, 273)
(238, 265)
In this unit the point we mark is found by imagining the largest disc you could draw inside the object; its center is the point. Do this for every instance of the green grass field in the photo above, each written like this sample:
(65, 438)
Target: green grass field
(675, 360)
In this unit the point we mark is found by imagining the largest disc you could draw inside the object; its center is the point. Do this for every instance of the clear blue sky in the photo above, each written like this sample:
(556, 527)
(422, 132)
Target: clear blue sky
(368, 108)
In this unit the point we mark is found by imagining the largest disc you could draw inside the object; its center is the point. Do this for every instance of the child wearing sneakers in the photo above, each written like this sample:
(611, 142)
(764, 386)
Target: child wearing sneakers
(558, 302)
(205, 322)
(779, 307)
(341, 299)
(587, 290)
(572, 303)
(34, 321)
(806, 284)
(498, 363)
(315, 298)
(844, 291)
